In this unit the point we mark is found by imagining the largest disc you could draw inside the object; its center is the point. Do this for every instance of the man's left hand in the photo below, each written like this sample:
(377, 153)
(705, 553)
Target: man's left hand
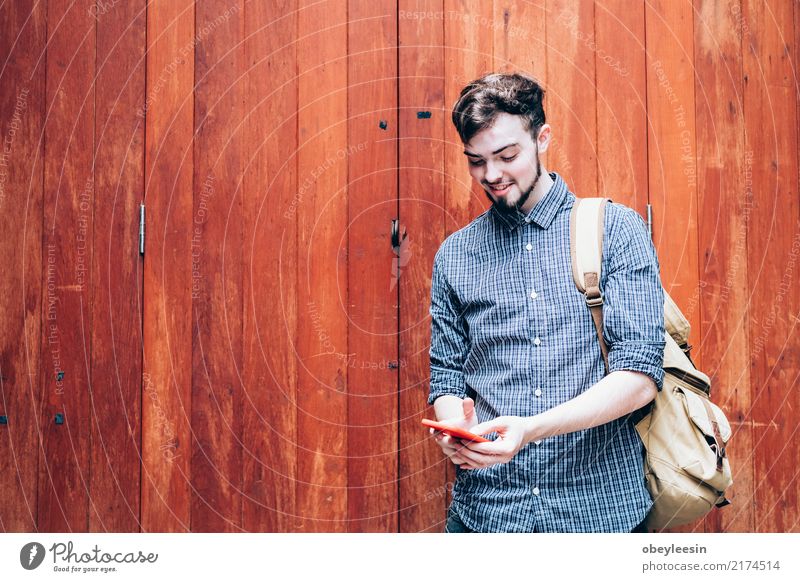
(511, 437)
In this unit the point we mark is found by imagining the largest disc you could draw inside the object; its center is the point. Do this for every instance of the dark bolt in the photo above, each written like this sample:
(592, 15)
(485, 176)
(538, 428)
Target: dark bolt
(383, 124)
(59, 418)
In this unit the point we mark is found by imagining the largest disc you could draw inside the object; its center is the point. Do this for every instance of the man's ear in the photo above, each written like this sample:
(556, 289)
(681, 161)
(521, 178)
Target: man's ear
(543, 139)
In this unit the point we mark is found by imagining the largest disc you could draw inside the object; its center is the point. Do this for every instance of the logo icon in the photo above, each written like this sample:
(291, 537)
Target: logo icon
(31, 555)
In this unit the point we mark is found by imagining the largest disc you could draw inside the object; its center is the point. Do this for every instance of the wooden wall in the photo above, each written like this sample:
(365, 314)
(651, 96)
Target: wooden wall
(264, 365)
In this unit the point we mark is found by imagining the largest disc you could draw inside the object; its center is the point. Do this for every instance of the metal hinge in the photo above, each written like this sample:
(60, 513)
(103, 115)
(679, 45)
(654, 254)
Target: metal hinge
(650, 221)
(141, 229)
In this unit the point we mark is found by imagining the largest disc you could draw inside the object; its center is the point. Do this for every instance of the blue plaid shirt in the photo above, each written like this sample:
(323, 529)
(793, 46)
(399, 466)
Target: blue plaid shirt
(510, 329)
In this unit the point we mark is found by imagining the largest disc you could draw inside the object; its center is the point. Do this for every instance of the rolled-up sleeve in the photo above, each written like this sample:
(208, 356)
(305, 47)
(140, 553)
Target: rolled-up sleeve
(633, 307)
(449, 339)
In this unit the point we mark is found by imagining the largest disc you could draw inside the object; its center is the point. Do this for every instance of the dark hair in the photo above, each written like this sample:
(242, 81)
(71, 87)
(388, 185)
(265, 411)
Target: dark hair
(483, 99)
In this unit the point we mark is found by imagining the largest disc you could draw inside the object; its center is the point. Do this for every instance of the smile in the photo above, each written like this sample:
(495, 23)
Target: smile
(500, 188)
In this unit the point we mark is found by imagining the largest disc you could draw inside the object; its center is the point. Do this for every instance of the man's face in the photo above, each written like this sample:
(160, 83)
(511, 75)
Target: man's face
(504, 159)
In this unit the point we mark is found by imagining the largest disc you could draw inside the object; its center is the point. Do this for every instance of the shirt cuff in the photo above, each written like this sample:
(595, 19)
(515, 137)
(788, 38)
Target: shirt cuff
(647, 358)
(446, 382)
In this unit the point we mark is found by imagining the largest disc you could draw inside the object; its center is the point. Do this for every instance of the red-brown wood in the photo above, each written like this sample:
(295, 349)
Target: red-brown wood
(373, 267)
(69, 193)
(217, 268)
(22, 100)
(167, 371)
(322, 273)
(269, 245)
(116, 387)
(621, 102)
(722, 237)
(771, 207)
(572, 94)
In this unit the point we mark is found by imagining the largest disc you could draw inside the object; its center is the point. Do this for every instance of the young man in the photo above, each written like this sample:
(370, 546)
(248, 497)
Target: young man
(513, 343)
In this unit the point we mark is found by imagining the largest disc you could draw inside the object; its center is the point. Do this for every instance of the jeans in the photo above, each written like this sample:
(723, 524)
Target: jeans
(455, 525)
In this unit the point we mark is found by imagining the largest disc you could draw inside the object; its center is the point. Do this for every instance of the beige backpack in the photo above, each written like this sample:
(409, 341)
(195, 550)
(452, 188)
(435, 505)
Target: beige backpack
(684, 434)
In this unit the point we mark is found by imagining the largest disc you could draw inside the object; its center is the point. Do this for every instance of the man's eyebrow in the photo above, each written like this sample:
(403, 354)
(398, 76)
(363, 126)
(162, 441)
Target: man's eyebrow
(494, 152)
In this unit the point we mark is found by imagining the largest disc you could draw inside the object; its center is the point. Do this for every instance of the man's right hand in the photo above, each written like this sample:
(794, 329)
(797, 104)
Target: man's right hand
(451, 446)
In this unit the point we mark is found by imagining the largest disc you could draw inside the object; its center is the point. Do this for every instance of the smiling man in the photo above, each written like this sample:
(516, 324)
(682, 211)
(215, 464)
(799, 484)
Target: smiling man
(514, 350)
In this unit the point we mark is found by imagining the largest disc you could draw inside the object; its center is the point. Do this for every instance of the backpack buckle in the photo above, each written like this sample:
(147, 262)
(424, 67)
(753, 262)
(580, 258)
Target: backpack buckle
(594, 301)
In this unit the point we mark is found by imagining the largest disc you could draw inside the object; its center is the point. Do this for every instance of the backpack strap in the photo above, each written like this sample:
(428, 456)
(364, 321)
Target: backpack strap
(586, 227)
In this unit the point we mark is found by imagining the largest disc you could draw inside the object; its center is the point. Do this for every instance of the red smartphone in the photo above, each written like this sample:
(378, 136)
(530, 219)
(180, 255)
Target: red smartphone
(454, 431)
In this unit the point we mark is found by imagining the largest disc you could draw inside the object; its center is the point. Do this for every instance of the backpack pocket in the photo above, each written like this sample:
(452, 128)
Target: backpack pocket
(705, 459)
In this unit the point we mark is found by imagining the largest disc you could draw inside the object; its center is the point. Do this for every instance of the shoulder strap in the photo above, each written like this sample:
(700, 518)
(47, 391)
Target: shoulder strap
(586, 226)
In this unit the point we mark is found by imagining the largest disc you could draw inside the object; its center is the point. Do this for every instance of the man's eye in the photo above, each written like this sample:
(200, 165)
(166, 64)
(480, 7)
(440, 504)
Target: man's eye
(476, 162)
(511, 159)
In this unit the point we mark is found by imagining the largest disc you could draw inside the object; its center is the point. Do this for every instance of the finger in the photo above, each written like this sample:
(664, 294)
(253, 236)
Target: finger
(478, 458)
(469, 407)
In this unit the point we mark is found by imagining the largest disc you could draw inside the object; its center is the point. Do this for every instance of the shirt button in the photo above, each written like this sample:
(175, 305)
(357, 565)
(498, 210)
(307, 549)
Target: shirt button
(529, 246)
(536, 491)
(537, 341)
(537, 442)
(534, 294)
(538, 392)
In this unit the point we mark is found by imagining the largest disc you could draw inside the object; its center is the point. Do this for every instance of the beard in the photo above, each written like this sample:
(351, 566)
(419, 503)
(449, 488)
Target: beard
(502, 203)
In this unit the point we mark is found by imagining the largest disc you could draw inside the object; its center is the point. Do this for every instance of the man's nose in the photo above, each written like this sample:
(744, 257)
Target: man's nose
(492, 174)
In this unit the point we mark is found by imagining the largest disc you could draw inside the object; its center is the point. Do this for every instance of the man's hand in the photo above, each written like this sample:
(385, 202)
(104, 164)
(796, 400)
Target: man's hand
(512, 435)
(452, 447)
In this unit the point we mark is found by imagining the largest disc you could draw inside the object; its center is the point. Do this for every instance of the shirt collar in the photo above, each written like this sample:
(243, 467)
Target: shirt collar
(542, 213)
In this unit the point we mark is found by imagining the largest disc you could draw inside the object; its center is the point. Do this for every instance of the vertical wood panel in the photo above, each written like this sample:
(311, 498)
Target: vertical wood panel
(672, 155)
(271, 197)
(571, 107)
(116, 273)
(621, 103)
(770, 208)
(519, 41)
(422, 204)
(322, 282)
(168, 281)
(217, 268)
(67, 245)
(22, 76)
(373, 268)
(723, 241)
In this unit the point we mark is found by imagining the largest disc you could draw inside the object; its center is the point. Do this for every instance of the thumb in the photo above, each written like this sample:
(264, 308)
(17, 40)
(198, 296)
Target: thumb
(469, 408)
(487, 427)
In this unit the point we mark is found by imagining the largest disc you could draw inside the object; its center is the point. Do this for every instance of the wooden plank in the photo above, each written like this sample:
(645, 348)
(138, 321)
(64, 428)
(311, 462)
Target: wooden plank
(519, 43)
(116, 271)
(672, 156)
(771, 211)
(374, 269)
(166, 378)
(621, 102)
(322, 267)
(571, 107)
(269, 414)
(217, 268)
(63, 502)
(22, 42)
(722, 237)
